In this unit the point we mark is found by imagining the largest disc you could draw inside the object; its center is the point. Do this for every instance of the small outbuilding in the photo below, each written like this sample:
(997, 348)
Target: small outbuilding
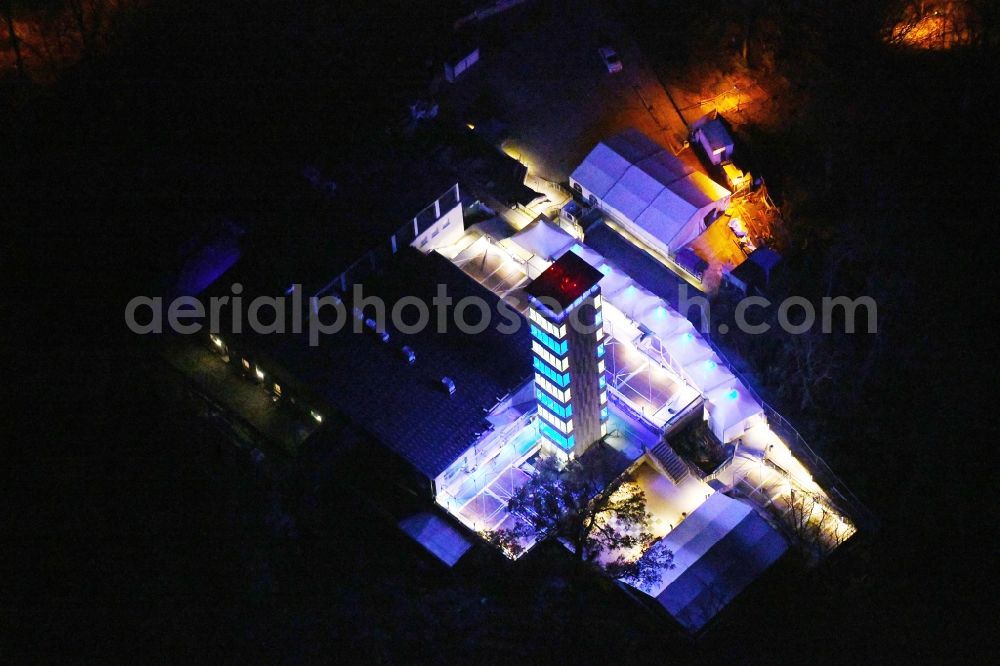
(689, 260)
(715, 140)
(753, 276)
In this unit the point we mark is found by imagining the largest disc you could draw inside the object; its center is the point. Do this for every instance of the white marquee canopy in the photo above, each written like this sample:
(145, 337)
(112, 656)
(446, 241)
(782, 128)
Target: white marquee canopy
(731, 410)
(543, 239)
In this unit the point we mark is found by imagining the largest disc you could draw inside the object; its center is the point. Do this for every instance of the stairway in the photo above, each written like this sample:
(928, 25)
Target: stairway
(669, 462)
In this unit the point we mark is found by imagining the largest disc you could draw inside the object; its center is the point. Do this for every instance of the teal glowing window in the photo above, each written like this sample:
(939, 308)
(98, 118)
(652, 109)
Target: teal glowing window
(604, 414)
(600, 350)
(603, 382)
(560, 378)
(558, 347)
(598, 318)
(556, 436)
(554, 407)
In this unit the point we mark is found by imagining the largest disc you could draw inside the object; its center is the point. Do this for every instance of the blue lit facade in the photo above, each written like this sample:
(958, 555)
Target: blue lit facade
(570, 387)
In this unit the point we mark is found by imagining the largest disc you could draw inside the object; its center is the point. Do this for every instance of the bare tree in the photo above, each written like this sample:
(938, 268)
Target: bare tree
(7, 6)
(88, 15)
(810, 364)
(816, 527)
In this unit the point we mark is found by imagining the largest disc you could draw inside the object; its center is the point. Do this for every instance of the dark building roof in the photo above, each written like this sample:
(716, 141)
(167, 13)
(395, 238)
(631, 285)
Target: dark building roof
(566, 280)
(405, 405)
(312, 234)
(492, 171)
(765, 257)
(637, 263)
(756, 270)
(687, 258)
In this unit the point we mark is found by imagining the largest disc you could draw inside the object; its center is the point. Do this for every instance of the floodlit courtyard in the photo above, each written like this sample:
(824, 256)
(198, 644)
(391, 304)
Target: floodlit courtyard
(477, 494)
(667, 501)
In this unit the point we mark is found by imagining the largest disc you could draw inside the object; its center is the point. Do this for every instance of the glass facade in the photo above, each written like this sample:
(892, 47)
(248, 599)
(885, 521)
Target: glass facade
(569, 375)
(558, 347)
(560, 379)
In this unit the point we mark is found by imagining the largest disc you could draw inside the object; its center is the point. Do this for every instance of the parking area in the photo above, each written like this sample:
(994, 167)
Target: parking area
(556, 94)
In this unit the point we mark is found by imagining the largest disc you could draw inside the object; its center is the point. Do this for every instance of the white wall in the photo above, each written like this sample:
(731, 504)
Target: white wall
(724, 156)
(454, 70)
(445, 231)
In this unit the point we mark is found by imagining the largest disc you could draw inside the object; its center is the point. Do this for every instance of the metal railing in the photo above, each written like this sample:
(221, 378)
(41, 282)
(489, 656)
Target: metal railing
(630, 408)
(657, 354)
(839, 495)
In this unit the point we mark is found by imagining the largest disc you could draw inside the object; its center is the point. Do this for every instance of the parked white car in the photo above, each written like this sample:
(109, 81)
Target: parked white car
(610, 58)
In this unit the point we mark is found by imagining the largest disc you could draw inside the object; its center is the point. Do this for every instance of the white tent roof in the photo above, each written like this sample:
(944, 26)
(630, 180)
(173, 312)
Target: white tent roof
(698, 189)
(544, 239)
(665, 322)
(633, 193)
(718, 550)
(644, 184)
(686, 347)
(697, 533)
(535, 266)
(591, 257)
(614, 281)
(635, 302)
(664, 170)
(730, 405)
(708, 373)
(600, 170)
(667, 216)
